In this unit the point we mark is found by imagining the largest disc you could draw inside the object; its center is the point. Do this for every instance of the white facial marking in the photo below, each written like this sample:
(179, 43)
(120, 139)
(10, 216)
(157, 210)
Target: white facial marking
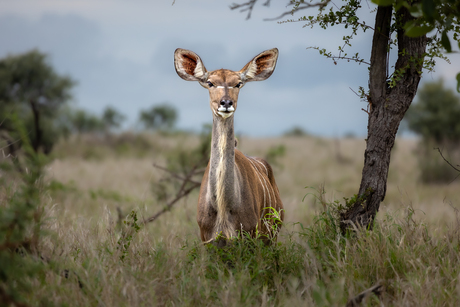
(220, 86)
(225, 114)
(223, 109)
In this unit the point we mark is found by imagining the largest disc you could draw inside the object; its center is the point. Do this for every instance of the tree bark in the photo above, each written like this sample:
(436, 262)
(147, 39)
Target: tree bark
(36, 142)
(387, 106)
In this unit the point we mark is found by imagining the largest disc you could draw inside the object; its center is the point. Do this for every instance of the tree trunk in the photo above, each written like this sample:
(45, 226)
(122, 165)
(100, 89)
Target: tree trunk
(387, 106)
(36, 142)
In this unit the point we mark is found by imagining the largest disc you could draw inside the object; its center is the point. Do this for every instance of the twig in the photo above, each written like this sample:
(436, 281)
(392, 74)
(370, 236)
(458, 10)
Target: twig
(357, 300)
(335, 57)
(249, 6)
(180, 194)
(458, 170)
(175, 175)
(450, 165)
(305, 6)
(9, 144)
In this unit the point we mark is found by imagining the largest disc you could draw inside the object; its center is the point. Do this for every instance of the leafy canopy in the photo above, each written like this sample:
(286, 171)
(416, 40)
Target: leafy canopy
(32, 89)
(29, 78)
(439, 19)
(161, 117)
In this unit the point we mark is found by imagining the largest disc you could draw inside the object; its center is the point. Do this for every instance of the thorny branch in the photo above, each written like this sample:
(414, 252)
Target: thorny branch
(175, 175)
(297, 6)
(439, 150)
(455, 168)
(182, 192)
(357, 300)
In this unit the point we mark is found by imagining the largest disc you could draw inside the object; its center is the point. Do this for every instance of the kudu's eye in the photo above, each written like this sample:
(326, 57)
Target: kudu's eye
(210, 84)
(239, 85)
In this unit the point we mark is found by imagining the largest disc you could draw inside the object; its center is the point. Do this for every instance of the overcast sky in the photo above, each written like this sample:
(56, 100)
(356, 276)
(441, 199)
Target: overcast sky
(121, 54)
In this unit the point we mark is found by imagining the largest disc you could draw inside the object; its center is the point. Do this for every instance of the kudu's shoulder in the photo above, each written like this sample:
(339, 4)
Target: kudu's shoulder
(255, 163)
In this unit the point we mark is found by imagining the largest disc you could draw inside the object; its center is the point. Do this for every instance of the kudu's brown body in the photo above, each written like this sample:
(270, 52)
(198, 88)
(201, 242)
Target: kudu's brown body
(237, 192)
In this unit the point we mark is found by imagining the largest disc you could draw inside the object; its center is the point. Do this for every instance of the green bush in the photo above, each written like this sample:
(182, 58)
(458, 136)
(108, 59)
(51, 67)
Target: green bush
(20, 220)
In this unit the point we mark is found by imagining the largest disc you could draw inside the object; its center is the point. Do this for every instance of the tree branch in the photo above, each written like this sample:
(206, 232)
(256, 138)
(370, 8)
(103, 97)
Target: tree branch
(175, 175)
(249, 6)
(379, 59)
(439, 150)
(183, 191)
(357, 300)
(179, 195)
(320, 5)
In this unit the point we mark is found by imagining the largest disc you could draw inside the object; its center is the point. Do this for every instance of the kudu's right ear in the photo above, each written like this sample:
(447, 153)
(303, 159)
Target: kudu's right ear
(189, 65)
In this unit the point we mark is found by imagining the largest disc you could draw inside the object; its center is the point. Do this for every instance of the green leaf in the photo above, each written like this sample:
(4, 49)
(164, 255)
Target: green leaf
(445, 41)
(400, 4)
(458, 82)
(383, 2)
(428, 9)
(413, 30)
(415, 10)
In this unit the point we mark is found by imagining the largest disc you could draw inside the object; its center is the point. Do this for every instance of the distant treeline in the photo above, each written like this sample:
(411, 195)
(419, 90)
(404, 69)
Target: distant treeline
(32, 92)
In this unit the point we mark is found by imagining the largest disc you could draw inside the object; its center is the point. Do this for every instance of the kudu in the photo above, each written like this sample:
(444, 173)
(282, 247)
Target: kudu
(237, 192)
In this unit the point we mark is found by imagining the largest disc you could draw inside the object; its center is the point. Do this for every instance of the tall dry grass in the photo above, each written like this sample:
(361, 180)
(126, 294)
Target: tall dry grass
(97, 259)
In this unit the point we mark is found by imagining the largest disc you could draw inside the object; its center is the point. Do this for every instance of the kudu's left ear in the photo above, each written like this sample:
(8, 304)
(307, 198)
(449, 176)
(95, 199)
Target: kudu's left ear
(189, 65)
(260, 67)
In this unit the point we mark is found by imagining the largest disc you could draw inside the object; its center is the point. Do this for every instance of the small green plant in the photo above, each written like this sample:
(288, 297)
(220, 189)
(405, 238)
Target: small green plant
(273, 222)
(131, 227)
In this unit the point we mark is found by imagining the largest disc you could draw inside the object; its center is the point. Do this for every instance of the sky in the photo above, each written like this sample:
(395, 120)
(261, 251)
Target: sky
(121, 53)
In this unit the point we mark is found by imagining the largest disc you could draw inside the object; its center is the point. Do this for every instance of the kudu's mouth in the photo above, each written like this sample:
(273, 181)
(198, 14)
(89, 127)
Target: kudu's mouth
(225, 112)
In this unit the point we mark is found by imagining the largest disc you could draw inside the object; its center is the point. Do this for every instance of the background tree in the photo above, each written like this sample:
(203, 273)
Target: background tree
(81, 121)
(161, 117)
(30, 87)
(391, 91)
(435, 116)
(295, 131)
(112, 118)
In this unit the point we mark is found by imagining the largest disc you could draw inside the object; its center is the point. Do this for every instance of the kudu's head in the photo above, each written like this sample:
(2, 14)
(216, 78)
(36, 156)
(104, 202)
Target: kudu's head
(224, 85)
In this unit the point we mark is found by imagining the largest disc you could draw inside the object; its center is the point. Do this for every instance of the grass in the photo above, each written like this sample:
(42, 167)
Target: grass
(94, 258)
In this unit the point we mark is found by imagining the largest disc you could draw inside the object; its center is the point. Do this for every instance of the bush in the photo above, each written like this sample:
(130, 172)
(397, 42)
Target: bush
(20, 221)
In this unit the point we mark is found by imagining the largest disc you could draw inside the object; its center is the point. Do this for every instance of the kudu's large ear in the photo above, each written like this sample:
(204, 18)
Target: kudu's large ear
(260, 67)
(189, 65)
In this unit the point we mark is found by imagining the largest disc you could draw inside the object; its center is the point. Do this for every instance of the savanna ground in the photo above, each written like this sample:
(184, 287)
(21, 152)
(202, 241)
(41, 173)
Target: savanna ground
(94, 257)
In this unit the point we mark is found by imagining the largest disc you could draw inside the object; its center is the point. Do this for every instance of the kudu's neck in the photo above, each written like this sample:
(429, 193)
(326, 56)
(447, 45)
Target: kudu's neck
(222, 170)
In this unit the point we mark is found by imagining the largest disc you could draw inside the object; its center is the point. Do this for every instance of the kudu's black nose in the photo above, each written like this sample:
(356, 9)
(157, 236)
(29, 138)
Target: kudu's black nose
(226, 103)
